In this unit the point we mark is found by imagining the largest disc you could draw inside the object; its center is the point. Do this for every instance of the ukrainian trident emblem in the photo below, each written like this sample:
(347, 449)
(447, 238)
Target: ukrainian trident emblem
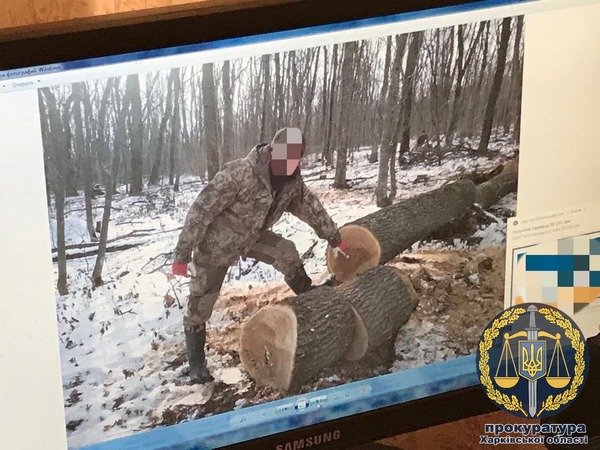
(540, 358)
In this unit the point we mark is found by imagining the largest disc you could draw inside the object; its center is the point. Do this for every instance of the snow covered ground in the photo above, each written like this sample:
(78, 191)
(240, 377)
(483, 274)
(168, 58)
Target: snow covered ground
(122, 343)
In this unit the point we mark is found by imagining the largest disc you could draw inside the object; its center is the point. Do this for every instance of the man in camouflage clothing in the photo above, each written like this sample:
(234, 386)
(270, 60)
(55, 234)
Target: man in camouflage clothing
(232, 217)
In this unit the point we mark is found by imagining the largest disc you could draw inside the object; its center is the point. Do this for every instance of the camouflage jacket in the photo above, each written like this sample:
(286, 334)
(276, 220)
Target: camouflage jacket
(238, 204)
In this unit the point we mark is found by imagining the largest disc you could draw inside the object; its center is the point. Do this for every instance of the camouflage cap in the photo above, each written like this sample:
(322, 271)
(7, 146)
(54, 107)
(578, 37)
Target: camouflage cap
(292, 137)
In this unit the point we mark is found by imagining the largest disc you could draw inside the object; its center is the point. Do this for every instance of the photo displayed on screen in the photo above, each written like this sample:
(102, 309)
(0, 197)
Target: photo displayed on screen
(231, 233)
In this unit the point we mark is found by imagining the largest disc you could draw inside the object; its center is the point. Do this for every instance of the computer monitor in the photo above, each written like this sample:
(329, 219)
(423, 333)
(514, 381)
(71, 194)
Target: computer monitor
(201, 295)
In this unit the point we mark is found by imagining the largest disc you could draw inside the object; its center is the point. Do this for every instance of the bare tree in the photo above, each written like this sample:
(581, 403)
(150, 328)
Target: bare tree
(120, 141)
(209, 97)
(136, 133)
(346, 84)
(228, 132)
(496, 84)
(175, 147)
(82, 149)
(462, 65)
(265, 116)
(382, 97)
(327, 153)
(310, 91)
(390, 123)
(155, 173)
(58, 151)
(514, 86)
(406, 101)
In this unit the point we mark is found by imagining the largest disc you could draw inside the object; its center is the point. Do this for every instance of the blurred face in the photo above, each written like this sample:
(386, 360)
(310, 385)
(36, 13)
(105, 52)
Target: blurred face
(286, 152)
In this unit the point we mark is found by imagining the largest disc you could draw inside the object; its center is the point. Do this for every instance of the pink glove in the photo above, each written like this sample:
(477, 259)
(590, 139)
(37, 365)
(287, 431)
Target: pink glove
(180, 268)
(341, 249)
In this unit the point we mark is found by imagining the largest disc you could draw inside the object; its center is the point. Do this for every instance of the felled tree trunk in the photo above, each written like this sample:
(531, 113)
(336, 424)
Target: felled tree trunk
(382, 300)
(491, 191)
(286, 345)
(380, 236)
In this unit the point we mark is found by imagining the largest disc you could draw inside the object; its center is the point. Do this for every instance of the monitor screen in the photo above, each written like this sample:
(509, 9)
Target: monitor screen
(242, 237)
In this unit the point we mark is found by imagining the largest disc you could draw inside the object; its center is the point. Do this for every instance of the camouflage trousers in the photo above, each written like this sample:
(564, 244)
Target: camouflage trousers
(270, 248)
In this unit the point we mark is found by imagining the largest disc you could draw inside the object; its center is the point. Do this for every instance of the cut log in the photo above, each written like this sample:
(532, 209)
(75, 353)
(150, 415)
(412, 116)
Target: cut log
(364, 253)
(382, 301)
(286, 345)
(395, 228)
(490, 192)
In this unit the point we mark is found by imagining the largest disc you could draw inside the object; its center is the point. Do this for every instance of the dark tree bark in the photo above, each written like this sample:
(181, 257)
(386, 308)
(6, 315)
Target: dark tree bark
(390, 123)
(378, 318)
(346, 85)
(513, 104)
(296, 89)
(373, 156)
(101, 144)
(82, 150)
(508, 113)
(209, 98)
(155, 173)
(462, 65)
(136, 133)
(71, 174)
(120, 141)
(324, 99)
(310, 95)
(475, 112)
(279, 97)
(175, 144)
(488, 120)
(407, 92)
(327, 148)
(228, 133)
(265, 117)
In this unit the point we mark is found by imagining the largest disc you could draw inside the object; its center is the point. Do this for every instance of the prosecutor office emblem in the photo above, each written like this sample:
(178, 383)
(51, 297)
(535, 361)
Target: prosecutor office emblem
(532, 360)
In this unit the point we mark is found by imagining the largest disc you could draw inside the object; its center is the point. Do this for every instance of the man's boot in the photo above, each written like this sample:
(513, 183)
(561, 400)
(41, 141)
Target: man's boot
(300, 282)
(195, 338)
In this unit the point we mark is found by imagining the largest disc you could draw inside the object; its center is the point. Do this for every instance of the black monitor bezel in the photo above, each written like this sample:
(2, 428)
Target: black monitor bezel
(384, 422)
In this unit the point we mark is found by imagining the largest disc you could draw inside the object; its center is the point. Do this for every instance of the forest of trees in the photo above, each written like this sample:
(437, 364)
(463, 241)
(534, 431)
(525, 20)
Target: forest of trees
(459, 85)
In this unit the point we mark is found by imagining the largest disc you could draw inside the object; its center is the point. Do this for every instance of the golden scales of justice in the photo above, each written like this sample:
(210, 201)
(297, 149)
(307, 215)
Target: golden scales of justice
(554, 377)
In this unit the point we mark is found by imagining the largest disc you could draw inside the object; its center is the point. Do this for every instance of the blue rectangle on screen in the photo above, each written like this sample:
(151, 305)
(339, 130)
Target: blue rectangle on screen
(552, 263)
(594, 278)
(581, 262)
(565, 279)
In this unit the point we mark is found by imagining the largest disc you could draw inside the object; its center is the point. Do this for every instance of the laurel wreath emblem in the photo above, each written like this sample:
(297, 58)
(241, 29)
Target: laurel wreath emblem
(512, 403)
(553, 403)
(508, 317)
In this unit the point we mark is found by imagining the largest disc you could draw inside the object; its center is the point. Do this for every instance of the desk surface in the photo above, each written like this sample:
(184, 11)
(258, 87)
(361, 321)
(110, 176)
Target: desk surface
(19, 18)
